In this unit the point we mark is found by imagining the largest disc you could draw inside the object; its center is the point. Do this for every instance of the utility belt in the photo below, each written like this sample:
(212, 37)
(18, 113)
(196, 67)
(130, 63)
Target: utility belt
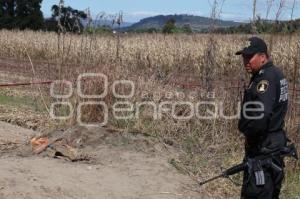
(270, 141)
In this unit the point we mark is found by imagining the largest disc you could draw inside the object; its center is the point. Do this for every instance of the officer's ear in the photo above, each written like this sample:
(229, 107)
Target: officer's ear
(264, 57)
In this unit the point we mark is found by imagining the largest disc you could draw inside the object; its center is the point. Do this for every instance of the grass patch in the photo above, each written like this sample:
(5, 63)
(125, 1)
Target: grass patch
(21, 102)
(290, 189)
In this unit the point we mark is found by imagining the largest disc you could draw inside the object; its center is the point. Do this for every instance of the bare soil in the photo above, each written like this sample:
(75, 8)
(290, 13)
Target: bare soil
(123, 166)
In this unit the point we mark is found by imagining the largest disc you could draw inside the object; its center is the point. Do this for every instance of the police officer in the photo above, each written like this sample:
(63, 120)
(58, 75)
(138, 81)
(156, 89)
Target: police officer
(262, 120)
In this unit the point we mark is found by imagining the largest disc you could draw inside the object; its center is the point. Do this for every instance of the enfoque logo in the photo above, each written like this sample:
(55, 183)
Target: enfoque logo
(124, 109)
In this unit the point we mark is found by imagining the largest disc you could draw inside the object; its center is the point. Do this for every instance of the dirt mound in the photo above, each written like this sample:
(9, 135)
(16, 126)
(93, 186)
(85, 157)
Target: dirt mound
(83, 144)
(127, 166)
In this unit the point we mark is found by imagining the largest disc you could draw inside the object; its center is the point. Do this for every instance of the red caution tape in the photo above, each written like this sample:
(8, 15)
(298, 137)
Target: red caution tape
(24, 83)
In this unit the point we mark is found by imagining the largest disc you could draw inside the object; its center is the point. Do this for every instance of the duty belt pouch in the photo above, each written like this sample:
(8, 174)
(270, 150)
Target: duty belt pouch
(259, 173)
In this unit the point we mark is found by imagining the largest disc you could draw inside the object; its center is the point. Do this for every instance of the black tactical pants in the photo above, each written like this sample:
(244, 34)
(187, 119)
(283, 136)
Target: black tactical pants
(273, 178)
(271, 189)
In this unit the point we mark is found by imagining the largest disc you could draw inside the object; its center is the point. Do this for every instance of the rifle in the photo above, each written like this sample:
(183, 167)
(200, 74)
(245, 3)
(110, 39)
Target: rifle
(265, 159)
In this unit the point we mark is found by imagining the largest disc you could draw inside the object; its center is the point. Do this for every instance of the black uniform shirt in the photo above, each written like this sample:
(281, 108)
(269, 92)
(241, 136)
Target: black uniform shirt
(267, 93)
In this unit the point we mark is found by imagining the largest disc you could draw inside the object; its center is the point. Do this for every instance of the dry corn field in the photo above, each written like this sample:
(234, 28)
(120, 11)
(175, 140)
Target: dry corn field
(202, 55)
(182, 66)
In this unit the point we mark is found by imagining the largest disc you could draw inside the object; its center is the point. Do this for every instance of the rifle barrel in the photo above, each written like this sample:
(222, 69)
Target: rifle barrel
(211, 179)
(289, 150)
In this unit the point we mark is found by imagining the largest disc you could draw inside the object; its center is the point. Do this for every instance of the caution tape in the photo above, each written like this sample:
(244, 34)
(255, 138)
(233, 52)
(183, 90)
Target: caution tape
(24, 83)
(185, 85)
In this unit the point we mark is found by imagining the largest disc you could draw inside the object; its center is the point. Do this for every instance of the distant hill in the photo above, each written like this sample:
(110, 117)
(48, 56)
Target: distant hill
(107, 23)
(197, 23)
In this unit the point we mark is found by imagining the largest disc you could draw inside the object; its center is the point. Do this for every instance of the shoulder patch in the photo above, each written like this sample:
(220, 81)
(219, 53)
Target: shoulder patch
(262, 86)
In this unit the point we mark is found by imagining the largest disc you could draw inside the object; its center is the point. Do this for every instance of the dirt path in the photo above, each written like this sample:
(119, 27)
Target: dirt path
(119, 174)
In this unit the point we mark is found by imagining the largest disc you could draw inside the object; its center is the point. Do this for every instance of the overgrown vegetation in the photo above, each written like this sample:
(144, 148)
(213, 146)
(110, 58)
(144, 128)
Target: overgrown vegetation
(20, 101)
(167, 67)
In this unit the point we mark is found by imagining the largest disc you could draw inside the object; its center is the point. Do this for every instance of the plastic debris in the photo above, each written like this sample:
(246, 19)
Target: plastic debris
(39, 144)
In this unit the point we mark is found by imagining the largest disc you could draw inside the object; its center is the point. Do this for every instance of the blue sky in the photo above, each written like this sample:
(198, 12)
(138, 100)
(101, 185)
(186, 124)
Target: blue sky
(134, 10)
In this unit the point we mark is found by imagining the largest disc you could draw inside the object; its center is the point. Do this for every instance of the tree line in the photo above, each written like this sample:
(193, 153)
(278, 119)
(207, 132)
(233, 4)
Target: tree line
(169, 27)
(21, 14)
(27, 14)
(263, 26)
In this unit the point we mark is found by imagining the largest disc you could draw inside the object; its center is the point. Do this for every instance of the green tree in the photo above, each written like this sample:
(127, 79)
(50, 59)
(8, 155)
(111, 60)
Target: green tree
(169, 26)
(68, 18)
(21, 14)
(99, 30)
(186, 28)
(7, 13)
(29, 14)
(152, 30)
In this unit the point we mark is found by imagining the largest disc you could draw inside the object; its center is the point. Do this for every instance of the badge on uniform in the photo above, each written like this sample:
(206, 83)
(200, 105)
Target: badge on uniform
(262, 86)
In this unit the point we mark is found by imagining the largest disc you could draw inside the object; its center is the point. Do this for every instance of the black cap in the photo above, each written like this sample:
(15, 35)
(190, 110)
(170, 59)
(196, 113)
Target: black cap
(257, 45)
